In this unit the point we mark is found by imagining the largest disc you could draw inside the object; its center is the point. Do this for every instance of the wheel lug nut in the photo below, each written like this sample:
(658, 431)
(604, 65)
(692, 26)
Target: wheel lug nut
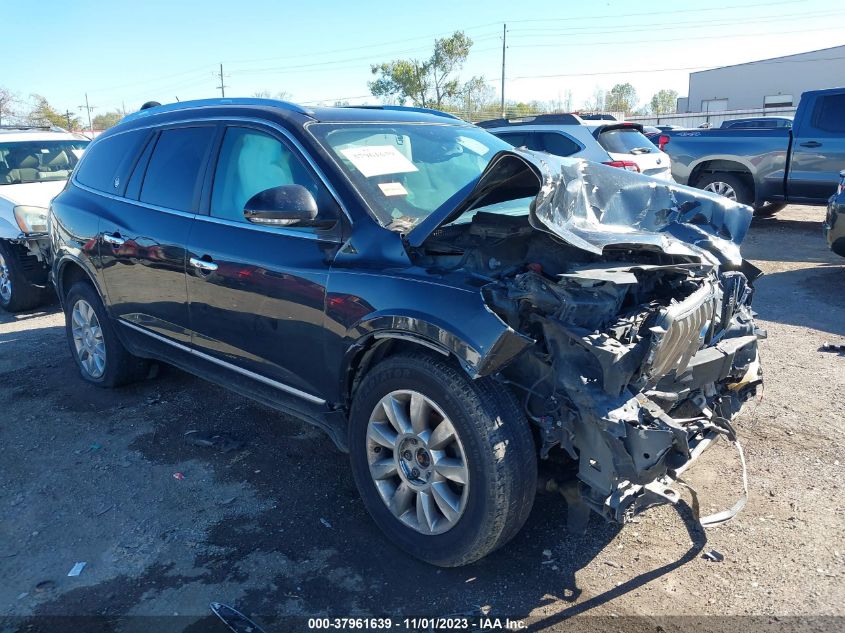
(415, 472)
(377, 449)
(407, 455)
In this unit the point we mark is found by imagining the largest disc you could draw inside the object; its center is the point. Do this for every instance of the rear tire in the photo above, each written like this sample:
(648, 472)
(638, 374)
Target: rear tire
(770, 209)
(100, 356)
(727, 184)
(489, 460)
(17, 294)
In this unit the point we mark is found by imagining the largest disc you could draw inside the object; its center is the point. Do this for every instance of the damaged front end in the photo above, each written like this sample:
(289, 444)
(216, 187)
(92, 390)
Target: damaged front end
(639, 307)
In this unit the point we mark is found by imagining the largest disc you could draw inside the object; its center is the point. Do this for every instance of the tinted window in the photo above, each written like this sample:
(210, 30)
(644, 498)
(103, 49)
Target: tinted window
(624, 141)
(108, 160)
(250, 162)
(557, 144)
(830, 113)
(517, 139)
(174, 174)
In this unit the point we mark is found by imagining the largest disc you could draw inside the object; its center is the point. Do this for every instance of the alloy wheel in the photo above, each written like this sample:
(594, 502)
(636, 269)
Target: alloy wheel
(721, 188)
(88, 339)
(417, 462)
(5, 281)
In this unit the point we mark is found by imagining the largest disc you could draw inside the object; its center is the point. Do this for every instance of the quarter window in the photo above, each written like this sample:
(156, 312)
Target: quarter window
(107, 161)
(251, 162)
(173, 177)
(517, 139)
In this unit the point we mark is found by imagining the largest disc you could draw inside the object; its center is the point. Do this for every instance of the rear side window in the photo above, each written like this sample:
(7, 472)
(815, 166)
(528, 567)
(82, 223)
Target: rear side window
(557, 144)
(107, 161)
(624, 141)
(174, 174)
(830, 113)
(517, 139)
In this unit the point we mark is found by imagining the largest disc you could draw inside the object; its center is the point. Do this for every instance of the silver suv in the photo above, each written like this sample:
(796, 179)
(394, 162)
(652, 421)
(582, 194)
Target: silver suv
(619, 144)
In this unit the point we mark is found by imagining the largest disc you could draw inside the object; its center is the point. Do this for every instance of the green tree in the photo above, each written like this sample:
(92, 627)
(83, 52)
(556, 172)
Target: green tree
(106, 120)
(43, 113)
(476, 98)
(664, 102)
(429, 83)
(621, 98)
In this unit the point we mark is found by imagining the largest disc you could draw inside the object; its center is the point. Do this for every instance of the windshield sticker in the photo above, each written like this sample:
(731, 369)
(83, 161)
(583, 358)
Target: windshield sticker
(474, 146)
(392, 189)
(378, 160)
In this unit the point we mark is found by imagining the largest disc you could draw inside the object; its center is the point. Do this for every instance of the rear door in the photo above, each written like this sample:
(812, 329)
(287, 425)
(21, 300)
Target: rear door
(557, 143)
(818, 151)
(143, 238)
(257, 293)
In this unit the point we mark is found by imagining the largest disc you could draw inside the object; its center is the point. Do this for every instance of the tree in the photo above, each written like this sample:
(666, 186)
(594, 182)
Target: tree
(429, 83)
(621, 98)
(597, 101)
(281, 95)
(664, 102)
(43, 113)
(106, 120)
(476, 97)
(8, 103)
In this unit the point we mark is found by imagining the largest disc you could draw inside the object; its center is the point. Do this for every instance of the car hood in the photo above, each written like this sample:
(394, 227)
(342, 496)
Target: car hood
(33, 194)
(592, 206)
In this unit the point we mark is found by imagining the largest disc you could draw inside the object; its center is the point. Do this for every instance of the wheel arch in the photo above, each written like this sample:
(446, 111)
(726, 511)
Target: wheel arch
(70, 270)
(730, 165)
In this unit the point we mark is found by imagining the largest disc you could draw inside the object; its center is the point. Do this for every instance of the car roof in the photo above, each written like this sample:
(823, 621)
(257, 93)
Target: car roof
(23, 134)
(293, 111)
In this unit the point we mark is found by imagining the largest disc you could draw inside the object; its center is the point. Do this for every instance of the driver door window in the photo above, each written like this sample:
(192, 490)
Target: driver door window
(250, 162)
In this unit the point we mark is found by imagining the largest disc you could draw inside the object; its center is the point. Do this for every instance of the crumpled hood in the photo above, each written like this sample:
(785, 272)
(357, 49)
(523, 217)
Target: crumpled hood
(592, 206)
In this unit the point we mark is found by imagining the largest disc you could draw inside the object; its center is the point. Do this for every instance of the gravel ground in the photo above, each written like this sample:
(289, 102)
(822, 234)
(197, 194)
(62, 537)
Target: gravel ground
(276, 527)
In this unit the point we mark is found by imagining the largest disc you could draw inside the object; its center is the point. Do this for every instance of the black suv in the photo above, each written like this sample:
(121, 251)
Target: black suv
(447, 309)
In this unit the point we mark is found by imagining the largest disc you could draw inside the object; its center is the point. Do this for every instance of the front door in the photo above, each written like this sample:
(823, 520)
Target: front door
(257, 293)
(142, 253)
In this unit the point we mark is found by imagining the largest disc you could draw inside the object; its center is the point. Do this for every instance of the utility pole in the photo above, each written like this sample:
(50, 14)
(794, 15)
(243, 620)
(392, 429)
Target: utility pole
(221, 86)
(88, 107)
(67, 116)
(504, 46)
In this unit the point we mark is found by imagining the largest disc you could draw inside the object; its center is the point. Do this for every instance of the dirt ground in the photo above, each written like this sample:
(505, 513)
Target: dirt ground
(276, 528)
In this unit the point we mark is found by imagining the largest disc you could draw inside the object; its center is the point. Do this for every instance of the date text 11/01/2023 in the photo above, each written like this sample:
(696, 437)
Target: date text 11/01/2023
(482, 623)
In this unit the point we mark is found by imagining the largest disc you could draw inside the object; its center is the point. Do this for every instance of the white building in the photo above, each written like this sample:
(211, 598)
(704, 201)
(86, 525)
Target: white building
(768, 83)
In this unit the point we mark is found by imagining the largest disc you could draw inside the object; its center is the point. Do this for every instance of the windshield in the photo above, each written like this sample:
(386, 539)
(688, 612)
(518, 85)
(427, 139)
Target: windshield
(37, 161)
(405, 171)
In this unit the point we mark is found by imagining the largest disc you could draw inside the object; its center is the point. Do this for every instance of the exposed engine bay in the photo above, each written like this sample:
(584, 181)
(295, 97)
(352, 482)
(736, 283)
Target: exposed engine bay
(641, 356)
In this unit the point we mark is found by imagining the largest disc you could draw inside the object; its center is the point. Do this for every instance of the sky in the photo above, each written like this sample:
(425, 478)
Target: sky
(125, 53)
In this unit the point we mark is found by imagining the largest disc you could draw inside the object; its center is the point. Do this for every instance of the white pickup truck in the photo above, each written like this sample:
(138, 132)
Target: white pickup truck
(35, 164)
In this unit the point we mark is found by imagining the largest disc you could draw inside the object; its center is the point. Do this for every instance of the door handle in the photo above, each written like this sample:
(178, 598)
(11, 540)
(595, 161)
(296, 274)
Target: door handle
(811, 144)
(114, 239)
(203, 264)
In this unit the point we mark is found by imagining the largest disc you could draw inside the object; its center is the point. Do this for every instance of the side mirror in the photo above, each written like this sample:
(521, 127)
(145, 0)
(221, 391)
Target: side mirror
(288, 205)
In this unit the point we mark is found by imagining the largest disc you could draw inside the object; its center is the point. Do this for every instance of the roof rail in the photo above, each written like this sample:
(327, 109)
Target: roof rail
(596, 116)
(536, 119)
(201, 103)
(405, 109)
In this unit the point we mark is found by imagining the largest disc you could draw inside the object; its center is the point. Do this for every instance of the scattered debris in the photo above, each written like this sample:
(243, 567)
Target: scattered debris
(221, 441)
(234, 619)
(326, 523)
(833, 347)
(713, 555)
(178, 476)
(103, 511)
(547, 553)
(23, 595)
(76, 569)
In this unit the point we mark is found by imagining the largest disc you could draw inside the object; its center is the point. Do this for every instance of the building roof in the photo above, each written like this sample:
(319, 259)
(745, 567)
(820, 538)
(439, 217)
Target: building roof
(839, 53)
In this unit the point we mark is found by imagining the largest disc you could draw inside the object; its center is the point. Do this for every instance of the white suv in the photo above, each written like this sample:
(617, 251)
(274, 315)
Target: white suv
(619, 144)
(35, 163)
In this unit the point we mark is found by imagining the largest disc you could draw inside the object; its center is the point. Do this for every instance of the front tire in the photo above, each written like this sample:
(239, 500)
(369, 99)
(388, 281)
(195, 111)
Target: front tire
(17, 294)
(445, 465)
(100, 356)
